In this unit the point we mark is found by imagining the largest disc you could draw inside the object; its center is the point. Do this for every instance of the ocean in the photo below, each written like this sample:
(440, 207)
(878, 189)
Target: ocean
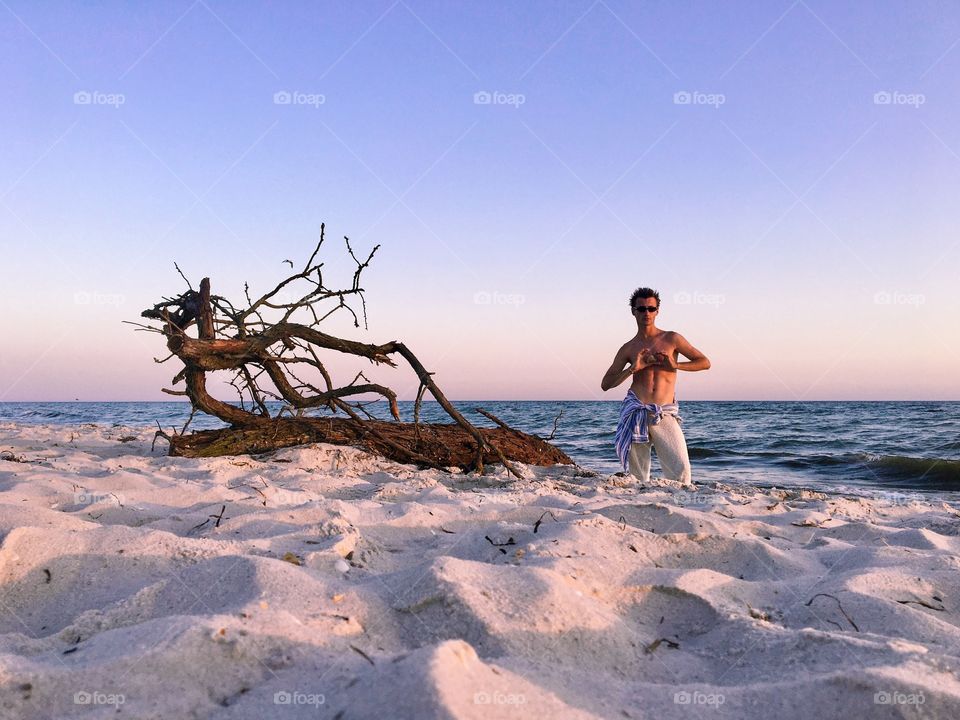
(902, 448)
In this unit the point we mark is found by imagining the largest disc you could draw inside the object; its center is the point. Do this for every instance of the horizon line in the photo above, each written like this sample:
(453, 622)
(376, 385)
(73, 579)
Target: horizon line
(433, 400)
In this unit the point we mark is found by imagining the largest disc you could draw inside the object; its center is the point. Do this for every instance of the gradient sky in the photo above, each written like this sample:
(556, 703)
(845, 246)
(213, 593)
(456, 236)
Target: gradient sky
(799, 215)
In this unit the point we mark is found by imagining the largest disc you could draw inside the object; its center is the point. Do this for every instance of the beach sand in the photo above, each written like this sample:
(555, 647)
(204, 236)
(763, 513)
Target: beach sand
(323, 582)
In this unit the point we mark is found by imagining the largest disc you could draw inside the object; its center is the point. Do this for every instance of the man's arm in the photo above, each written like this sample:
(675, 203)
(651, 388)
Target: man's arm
(696, 360)
(617, 373)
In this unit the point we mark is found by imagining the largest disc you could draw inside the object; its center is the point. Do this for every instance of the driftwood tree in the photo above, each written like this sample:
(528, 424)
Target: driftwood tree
(272, 348)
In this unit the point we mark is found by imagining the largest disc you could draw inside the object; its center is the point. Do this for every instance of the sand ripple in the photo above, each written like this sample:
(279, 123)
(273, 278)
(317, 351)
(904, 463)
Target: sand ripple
(324, 582)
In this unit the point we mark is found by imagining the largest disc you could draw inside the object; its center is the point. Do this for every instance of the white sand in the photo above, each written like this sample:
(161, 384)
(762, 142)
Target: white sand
(434, 595)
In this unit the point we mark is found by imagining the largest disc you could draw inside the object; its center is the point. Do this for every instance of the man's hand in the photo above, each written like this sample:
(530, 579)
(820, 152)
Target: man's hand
(665, 361)
(641, 362)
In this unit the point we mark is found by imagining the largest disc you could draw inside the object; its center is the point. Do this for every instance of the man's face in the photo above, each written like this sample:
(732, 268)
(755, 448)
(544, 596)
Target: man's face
(645, 310)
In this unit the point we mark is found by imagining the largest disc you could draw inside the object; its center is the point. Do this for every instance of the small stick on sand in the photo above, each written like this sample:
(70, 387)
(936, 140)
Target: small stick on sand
(536, 525)
(159, 433)
(836, 600)
(218, 518)
(362, 654)
(922, 603)
(656, 643)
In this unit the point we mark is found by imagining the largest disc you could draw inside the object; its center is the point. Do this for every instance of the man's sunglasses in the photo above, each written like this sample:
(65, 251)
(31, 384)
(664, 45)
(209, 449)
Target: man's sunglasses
(646, 308)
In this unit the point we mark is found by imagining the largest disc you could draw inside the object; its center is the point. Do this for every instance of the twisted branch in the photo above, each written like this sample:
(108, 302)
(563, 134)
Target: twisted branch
(242, 339)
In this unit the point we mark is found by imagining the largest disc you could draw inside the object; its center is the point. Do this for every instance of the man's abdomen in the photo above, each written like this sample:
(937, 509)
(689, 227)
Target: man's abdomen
(655, 386)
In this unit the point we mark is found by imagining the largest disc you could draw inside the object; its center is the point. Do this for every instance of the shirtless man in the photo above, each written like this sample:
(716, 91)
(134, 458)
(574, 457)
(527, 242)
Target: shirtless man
(649, 413)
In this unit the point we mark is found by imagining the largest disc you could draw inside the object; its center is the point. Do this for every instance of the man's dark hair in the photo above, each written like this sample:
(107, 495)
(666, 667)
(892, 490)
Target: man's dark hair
(644, 292)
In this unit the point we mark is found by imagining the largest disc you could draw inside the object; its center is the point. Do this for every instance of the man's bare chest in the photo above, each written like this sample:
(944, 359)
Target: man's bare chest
(652, 347)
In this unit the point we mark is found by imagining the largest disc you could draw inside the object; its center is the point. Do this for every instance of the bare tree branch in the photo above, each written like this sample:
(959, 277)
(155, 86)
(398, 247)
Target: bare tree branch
(279, 360)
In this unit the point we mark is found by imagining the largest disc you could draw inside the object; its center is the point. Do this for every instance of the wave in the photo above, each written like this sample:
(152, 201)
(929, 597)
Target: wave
(700, 453)
(813, 462)
(890, 470)
(900, 471)
(45, 413)
(927, 473)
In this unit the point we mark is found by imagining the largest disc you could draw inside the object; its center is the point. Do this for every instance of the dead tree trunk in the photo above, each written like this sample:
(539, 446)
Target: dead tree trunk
(266, 357)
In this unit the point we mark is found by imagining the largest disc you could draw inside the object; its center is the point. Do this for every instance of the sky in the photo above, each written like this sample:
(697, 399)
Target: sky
(785, 173)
